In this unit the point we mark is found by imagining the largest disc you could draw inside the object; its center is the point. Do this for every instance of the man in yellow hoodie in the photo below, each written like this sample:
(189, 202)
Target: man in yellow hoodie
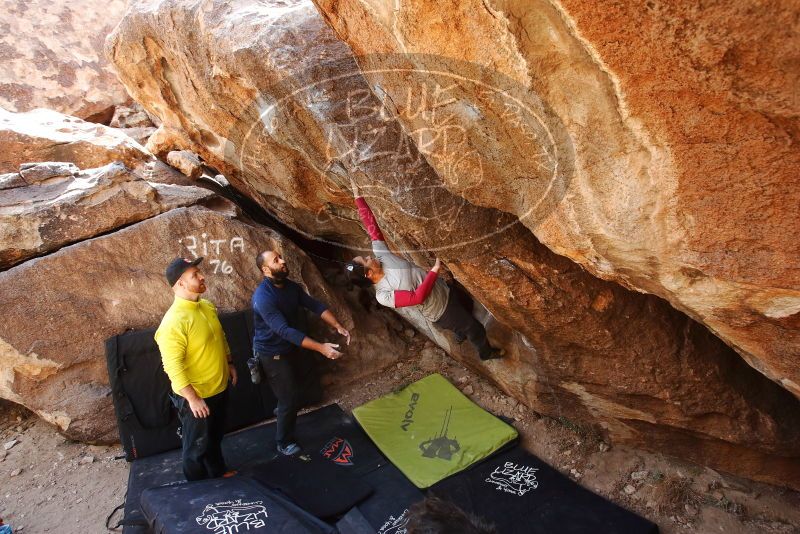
(197, 359)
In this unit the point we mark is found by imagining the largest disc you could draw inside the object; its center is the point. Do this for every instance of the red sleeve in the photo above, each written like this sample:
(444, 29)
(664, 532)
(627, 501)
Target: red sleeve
(369, 220)
(417, 296)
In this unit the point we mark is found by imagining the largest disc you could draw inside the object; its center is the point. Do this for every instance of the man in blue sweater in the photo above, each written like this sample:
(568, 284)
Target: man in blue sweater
(276, 310)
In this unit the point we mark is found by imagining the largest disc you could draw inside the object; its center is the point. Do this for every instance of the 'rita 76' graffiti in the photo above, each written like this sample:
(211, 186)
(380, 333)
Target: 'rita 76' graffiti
(212, 249)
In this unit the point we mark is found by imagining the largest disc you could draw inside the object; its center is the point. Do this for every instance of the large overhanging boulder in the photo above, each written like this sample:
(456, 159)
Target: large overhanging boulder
(268, 95)
(59, 309)
(52, 56)
(682, 180)
(48, 205)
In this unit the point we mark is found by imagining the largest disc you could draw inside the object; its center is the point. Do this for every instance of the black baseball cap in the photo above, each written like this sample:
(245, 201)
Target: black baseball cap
(178, 267)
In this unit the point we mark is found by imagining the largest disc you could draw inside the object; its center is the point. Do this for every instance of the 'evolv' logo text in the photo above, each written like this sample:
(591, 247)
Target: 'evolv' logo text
(409, 416)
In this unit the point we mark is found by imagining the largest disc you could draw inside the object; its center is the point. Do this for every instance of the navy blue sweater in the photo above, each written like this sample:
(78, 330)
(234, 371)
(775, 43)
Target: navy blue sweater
(276, 312)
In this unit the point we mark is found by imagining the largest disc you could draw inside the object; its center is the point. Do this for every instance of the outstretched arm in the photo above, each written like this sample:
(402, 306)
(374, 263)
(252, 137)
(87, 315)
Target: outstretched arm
(277, 323)
(366, 215)
(312, 304)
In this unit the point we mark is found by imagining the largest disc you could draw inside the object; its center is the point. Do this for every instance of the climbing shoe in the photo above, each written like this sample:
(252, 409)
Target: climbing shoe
(290, 449)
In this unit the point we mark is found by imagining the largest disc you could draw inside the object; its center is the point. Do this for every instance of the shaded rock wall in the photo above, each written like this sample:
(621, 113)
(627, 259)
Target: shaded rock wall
(51, 54)
(267, 94)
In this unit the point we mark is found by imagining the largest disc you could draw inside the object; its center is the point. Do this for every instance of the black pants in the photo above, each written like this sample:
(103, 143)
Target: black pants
(202, 437)
(458, 319)
(280, 377)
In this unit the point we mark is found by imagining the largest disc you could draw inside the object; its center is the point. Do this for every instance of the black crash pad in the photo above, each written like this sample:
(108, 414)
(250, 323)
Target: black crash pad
(354, 522)
(314, 484)
(519, 493)
(225, 505)
(386, 510)
(146, 419)
(327, 434)
(153, 471)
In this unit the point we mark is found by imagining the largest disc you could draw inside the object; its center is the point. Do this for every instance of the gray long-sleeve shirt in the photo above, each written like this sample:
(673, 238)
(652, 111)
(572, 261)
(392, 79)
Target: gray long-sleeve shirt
(399, 274)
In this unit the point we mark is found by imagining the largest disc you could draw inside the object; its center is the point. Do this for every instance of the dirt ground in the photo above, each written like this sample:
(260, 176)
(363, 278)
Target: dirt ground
(50, 484)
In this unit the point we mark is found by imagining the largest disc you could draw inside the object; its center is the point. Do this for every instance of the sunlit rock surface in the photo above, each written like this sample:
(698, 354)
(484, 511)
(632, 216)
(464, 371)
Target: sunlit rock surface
(682, 178)
(51, 54)
(270, 96)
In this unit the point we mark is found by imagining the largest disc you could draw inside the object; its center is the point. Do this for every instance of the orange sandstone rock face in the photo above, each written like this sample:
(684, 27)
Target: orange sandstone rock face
(486, 169)
(52, 57)
(684, 124)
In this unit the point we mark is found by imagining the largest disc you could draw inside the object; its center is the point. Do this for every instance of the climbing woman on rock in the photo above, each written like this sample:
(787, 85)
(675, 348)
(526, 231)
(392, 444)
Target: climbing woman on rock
(399, 283)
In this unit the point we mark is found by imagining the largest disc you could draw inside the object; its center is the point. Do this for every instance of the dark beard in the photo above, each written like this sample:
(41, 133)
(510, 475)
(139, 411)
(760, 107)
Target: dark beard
(279, 277)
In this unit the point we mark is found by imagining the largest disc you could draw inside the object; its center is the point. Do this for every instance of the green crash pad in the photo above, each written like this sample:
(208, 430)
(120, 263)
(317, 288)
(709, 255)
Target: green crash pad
(430, 430)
